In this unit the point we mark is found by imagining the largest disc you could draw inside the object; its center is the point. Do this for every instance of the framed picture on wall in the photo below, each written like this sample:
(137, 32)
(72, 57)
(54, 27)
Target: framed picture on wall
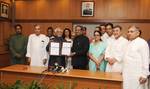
(4, 10)
(87, 8)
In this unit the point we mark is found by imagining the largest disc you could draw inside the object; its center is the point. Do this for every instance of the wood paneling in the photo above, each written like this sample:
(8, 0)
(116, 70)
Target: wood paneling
(71, 9)
(5, 31)
(4, 60)
(43, 9)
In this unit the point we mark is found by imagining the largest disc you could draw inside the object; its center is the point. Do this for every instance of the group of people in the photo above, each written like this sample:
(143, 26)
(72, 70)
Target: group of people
(107, 51)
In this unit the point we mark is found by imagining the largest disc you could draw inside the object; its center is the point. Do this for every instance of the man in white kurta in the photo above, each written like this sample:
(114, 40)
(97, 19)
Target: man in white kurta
(109, 34)
(114, 52)
(136, 61)
(36, 48)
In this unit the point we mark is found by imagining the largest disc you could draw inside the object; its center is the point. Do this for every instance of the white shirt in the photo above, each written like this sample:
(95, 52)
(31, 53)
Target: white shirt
(135, 64)
(116, 50)
(109, 40)
(36, 49)
(68, 59)
(104, 37)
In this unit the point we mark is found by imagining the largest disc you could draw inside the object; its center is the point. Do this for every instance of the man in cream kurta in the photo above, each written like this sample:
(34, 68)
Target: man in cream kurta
(36, 48)
(136, 61)
(114, 51)
(109, 33)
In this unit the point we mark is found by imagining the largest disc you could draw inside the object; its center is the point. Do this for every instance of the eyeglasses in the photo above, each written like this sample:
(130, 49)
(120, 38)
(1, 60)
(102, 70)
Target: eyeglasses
(132, 31)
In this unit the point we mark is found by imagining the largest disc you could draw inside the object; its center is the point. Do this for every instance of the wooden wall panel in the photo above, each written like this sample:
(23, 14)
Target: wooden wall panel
(43, 9)
(115, 9)
(145, 13)
(4, 60)
(1, 35)
(5, 29)
(71, 9)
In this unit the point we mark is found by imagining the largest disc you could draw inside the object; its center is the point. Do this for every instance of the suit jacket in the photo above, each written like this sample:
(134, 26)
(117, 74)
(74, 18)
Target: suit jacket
(80, 47)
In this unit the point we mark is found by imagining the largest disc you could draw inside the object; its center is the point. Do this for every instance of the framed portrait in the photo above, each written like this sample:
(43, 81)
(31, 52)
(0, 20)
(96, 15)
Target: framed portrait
(4, 10)
(87, 8)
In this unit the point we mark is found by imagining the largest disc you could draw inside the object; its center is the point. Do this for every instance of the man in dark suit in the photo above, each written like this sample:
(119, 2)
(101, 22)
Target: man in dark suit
(79, 50)
(60, 59)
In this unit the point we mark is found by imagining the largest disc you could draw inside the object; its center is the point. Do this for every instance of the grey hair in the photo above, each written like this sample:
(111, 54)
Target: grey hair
(58, 29)
(136, 29)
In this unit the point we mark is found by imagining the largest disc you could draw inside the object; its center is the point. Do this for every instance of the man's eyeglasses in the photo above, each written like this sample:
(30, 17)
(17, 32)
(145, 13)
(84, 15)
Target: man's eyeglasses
(132, 31)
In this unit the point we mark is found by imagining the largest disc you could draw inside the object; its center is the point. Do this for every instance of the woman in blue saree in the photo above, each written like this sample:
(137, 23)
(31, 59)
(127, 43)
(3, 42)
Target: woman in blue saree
(96, 53)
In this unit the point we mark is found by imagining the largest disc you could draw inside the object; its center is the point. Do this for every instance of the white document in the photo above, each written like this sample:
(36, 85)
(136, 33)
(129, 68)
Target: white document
(66, 48)
(54, 48)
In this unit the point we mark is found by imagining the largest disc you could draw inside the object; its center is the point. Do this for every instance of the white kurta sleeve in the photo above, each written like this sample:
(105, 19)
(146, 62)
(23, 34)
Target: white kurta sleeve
(45, 44)
(119, 54)
(107, 52)
(28, 54)
(145, 60)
